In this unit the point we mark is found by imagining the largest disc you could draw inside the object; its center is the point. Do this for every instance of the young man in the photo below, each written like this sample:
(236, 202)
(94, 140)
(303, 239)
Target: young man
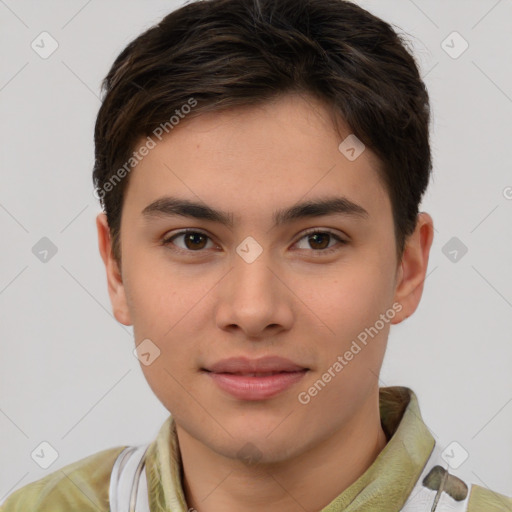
(260, 165)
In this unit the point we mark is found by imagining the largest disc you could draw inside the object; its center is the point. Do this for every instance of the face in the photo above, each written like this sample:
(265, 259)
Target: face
(304, 284)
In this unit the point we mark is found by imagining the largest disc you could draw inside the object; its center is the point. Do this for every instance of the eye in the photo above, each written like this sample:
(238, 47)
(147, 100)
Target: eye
(318, 241)
(193, 240)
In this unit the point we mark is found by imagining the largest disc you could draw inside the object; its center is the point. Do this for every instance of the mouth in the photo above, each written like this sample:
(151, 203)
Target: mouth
(256, 374)
(256, 385)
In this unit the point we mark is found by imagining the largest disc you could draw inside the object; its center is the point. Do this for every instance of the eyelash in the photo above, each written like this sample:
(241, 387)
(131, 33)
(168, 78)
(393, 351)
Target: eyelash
(319, 252)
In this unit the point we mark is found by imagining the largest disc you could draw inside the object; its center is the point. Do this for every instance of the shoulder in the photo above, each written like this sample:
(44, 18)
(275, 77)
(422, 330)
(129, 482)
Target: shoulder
(482, 499)
(82, 485)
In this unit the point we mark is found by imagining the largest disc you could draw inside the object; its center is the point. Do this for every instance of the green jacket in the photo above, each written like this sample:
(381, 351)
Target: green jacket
(386, 486)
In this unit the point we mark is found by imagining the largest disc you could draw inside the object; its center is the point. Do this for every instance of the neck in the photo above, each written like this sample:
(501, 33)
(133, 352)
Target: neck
(306, 482)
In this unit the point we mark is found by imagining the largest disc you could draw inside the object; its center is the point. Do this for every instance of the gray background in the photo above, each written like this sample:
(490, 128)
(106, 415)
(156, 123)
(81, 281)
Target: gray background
(68, 375)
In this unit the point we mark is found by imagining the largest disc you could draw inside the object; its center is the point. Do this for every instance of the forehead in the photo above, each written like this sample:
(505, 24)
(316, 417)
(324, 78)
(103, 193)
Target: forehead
(253, 159)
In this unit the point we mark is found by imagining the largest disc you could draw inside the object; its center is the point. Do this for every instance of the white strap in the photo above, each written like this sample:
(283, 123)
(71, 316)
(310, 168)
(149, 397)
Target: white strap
(128, 490)
(423, 499)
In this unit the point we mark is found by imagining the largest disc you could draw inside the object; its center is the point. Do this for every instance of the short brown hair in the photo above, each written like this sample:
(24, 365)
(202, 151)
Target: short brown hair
(233, 53)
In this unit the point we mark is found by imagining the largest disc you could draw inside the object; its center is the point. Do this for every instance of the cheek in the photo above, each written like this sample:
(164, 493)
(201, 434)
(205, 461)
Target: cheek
(348, 299)
(158, 295)
(165, 305)
(349, 307)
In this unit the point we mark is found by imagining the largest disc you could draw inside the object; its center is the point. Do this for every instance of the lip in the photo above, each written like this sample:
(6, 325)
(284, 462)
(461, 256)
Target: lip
(244, 387)
(262, 365)
(235, 376)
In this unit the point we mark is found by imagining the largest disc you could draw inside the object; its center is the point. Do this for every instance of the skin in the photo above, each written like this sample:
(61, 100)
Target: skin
(208, 303)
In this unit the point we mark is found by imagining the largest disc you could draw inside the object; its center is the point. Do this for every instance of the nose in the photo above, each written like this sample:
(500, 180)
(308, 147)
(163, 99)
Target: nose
(254, 299)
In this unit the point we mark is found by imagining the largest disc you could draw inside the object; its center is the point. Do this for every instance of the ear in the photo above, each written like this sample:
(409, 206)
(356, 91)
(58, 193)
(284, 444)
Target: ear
(114, 279)
(414, 263)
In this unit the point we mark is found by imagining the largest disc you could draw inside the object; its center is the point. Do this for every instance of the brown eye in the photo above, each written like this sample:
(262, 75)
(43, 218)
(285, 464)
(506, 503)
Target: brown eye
(193, 241)
(320, 242)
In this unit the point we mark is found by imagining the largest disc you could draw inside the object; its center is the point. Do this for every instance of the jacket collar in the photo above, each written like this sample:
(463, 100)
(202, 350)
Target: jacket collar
(385, 485)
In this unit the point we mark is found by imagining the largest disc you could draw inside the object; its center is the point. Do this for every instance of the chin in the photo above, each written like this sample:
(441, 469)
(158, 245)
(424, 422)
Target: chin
(259, 452)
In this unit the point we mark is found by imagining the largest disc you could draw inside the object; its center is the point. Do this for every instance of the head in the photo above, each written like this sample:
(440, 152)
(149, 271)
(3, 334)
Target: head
(291, 139)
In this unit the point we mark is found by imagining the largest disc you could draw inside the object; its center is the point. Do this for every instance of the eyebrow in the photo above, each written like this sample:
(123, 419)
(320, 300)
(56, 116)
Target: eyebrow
(173, 206)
